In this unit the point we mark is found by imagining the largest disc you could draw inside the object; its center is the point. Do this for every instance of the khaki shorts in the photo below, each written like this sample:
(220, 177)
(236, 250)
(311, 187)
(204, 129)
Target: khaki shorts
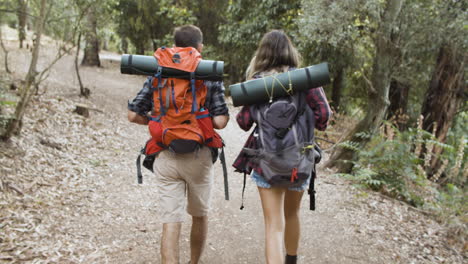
(181, 178)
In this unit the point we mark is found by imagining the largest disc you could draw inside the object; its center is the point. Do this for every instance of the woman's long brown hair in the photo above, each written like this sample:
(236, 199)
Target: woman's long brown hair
(275, 53)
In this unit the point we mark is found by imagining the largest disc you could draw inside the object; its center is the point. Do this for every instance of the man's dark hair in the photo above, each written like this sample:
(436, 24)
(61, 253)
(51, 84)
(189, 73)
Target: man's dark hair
(188, 36)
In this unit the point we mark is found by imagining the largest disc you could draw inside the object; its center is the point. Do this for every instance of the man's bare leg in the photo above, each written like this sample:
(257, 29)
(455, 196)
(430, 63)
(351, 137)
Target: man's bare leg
(170, 243)
(198, 237)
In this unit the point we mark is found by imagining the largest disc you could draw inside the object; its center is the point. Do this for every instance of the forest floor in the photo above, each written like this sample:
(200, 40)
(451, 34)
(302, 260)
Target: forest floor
(68, 190)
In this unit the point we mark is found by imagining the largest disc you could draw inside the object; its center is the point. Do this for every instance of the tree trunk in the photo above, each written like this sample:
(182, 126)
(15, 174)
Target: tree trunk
(140, 48)
(83, 90)
(22, 20)
(447, 92)
(7, 69)
(378, 88)
(338, 85)
(15, 125)
(124, 45)
(397, 110)
(91, 52)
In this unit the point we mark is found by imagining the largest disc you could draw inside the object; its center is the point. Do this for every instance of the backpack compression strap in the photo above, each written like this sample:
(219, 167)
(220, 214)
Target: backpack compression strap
(194, 92)
(243, 190)
(160, 86)
(312, 189)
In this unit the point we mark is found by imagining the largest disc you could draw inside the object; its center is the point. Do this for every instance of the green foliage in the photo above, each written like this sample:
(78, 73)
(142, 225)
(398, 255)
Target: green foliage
(341, 32)
(149, 23)
(246, 22)
(453, 201)
(389, 164)
(11, 103)
(365, 178)
(6, 16)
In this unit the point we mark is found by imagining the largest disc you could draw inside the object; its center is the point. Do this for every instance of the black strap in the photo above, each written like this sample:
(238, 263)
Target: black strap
(130, 59)
(139, 174)
(309, 79)
(244, 91)
(312, 190)
(222, 158)
(214, 67)
(243, 190)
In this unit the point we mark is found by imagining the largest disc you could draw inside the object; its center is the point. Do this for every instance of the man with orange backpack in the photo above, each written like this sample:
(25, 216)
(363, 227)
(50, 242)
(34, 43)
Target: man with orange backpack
(184, 114)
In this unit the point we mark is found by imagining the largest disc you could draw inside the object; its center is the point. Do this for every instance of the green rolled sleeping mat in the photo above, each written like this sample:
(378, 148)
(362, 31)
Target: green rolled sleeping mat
(148, 65)
(264, 89)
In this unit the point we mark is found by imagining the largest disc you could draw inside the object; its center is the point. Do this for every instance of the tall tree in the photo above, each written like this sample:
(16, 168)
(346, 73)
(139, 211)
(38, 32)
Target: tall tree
(91, 51)
(5, 52)
(22, 20)
(14, 125)
(398, 95)
(447, 92)
(379, 85)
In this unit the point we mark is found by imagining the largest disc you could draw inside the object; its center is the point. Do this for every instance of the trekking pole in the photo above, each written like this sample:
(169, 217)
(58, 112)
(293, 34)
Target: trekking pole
(222, 158)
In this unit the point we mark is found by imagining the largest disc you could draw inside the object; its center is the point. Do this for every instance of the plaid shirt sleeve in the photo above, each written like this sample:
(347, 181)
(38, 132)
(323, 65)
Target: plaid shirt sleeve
(215, 102)
(317, 101)
(143, 102)
(244, 118)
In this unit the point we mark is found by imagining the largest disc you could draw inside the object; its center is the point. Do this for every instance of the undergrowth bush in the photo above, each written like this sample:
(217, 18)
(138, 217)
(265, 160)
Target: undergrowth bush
(405, 165)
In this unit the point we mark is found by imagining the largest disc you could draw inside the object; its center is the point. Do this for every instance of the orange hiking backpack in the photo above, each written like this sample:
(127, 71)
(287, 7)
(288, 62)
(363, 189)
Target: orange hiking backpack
(180, 123)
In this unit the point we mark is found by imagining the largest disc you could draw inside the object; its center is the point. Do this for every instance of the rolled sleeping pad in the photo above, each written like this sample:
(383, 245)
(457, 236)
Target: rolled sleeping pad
(148, 65)
(254, 92)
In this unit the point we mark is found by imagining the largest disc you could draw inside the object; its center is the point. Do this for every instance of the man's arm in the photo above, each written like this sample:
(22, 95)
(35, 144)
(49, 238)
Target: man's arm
(141, 105)
(136, 118)
(216, 104)
(220, 122)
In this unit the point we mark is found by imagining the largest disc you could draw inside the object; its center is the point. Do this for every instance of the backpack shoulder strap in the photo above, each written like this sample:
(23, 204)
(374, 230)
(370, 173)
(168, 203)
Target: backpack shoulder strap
(194, 92)
(222, 158)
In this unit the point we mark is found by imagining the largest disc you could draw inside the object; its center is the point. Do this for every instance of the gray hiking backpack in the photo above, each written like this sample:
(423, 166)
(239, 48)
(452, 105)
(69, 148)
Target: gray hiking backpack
(287, 153)
(285, 131)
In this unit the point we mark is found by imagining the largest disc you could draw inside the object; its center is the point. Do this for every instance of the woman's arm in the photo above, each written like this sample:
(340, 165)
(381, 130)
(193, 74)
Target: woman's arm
(244, 118)
(317, 101)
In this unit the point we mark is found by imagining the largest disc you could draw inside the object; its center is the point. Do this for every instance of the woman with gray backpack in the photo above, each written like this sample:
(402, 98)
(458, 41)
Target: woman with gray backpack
(280, 154)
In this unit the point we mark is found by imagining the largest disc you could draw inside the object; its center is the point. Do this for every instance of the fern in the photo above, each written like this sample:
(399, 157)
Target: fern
(354, 146)
(391, 166)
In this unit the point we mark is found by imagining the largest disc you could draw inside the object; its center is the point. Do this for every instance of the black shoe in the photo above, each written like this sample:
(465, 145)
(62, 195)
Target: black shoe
(290, 259)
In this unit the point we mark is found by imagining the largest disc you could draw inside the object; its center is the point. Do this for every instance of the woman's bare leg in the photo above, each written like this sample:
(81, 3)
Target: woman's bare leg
(292, 205)
(272, 204)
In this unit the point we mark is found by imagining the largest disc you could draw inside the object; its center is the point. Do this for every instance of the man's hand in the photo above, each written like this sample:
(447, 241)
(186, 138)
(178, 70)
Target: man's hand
(136, 118)
(220, 122)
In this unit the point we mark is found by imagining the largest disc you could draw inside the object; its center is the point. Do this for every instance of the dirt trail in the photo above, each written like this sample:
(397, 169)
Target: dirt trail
(119, 220)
